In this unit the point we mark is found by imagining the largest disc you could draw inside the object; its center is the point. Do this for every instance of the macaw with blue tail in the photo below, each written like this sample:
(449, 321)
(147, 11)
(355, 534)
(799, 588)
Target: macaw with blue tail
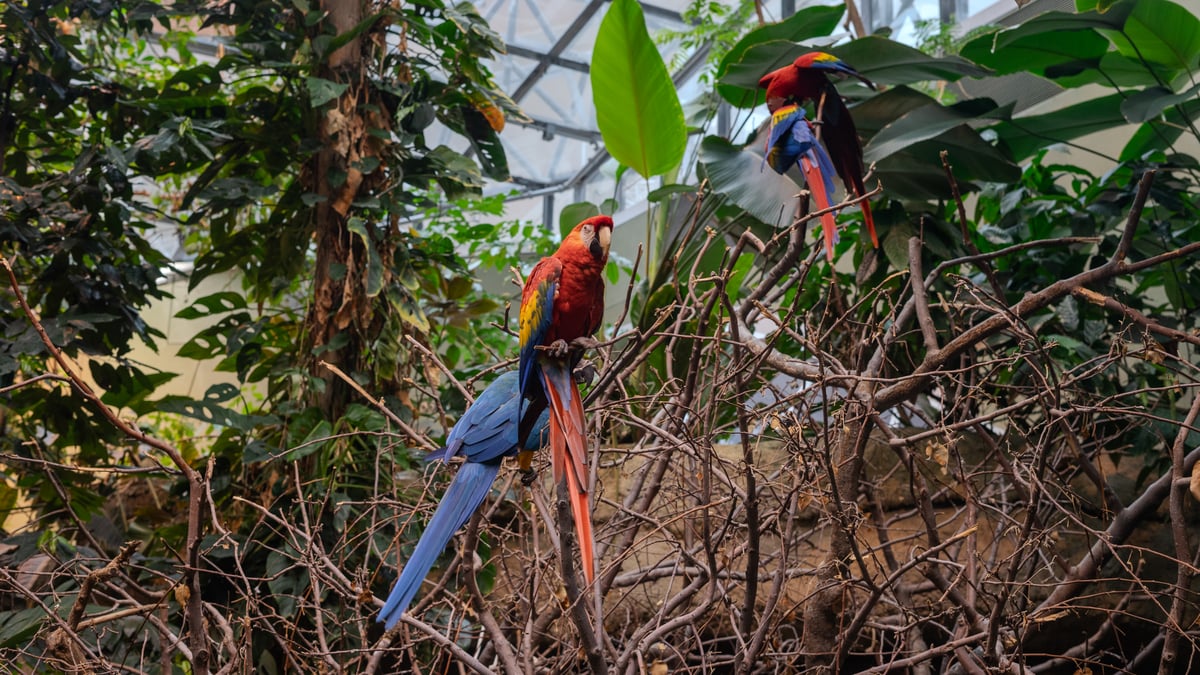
(806, 79)
(485, 435)
(791, 141)
(562, 306)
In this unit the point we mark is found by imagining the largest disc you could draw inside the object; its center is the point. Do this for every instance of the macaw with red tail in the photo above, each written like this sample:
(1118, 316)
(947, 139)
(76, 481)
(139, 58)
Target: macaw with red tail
(792, 141)
(806, 80)
(563, 301)
(485, 435)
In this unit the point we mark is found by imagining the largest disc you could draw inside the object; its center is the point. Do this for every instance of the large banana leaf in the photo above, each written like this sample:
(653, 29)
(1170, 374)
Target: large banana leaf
(637, 108)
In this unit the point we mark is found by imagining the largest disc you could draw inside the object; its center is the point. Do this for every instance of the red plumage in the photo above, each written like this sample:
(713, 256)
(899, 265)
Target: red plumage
(563, 299)
(806, 80)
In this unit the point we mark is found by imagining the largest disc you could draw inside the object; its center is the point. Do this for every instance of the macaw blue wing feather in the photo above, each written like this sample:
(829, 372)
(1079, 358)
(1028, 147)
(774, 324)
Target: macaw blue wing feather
(466, 492)
(791, 138)
(485, 435)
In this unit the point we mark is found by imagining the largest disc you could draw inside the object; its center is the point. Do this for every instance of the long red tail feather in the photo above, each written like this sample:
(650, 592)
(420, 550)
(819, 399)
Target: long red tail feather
(568, 455)
(812, 174)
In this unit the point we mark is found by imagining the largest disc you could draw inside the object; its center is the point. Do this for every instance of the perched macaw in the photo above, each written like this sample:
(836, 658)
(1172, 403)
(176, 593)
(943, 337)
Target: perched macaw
(485, 435)
(792, 141)
(805, 80)
(563, 299)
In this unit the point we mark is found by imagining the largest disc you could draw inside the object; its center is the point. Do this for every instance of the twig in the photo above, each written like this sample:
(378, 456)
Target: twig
(196, 490)
(379, 403)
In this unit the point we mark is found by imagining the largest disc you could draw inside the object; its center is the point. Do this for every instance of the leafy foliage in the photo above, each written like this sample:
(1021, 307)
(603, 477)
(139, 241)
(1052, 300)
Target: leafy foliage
(349, 239)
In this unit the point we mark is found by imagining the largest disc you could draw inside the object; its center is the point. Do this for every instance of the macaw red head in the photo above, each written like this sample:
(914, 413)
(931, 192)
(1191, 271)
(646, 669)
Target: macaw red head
(830, 63)
(592, 236)
(804, 79)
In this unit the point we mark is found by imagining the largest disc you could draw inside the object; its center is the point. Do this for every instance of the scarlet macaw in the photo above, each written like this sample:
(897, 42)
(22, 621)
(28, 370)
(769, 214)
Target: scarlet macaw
(805, 80)
(562, 301)
(485, 435)
(791, 140)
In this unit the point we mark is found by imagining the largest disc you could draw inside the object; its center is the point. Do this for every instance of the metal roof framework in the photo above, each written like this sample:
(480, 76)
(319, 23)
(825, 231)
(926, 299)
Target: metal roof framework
(547, 72)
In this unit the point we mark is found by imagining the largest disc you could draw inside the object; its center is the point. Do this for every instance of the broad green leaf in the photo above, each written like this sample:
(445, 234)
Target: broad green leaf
(212, 413)
(573, 214)
(668, 190)
(756, 61)
(1149, 103)
(637, 107)
(928, 122)
(1026, 135)
(916, 170)
(1161, 32)
(1157, 135)
(18, 626)
(8, 499)
(887, 62)
(1068, 53)
(321, 91)
(318, 438)
(1054, 24)
(810, 22)
(209, 305)
(882, 109)
(739, 174)
(895, 244)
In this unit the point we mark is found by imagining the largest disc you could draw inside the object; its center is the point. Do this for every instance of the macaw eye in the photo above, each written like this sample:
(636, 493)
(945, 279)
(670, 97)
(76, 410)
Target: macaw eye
(586, 230)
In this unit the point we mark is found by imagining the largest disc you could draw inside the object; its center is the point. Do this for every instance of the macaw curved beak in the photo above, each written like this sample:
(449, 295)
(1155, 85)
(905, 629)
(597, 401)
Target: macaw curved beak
(600, 243)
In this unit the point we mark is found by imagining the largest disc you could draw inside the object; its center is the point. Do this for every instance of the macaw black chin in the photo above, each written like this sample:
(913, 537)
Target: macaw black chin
(596, 249)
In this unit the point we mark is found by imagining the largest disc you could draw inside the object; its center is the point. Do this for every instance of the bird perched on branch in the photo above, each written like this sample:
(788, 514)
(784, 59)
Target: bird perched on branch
(562, 305)
(791, 141)
(806, 79)
(484, 435)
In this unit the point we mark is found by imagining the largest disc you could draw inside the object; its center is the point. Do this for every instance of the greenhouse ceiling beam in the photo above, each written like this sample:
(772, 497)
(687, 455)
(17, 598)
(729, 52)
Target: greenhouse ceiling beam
(655, 10)
(552, 129)
(560, 46)
(569, 64)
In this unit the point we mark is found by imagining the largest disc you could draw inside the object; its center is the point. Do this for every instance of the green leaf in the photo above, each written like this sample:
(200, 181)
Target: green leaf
(8, 499)
(895, 244)
(318, 437)
(810, 22)
(486, 143)
(668, 190)
(1149, 103)
(1159, 134)
(322, 91)
(739, 84)
(1161, 32)
(374, 262)
(19, 626)
(887, 62)
(573, 214)
(1069, 52)
(928, 122)
(1026, 135)
(637, 108)
(739, 174)
(882, 109)
(916, 171)
(210, 305)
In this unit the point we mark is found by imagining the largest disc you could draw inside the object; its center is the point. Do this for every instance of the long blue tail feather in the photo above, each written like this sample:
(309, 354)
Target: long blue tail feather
(466, 492)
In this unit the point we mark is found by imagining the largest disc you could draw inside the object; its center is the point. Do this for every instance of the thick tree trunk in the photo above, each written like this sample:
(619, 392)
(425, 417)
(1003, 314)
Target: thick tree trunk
(337, 301)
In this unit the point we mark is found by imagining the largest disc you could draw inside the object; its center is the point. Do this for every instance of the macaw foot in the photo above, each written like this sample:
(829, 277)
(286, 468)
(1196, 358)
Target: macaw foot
(557, 349)
(528, 476)
(585, 373)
